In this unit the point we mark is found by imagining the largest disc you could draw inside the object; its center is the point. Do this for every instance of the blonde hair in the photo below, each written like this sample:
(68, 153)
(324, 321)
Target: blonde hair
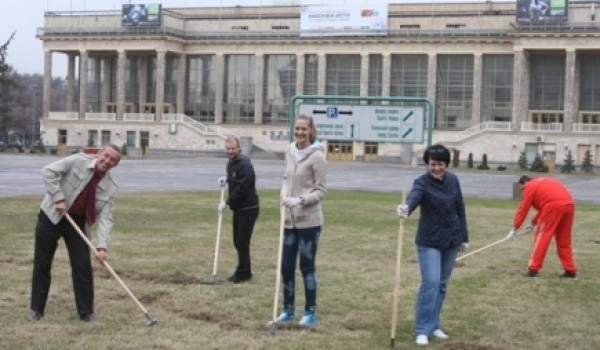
(312, 129)
(233, 138)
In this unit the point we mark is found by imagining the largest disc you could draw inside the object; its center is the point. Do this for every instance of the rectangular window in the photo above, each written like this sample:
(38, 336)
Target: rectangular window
(454, 91)
(408, 76)
(240, 75)
(105, 137)
(279, 87)
(131, 139)
(375, 75)
(311, 75)
(201, 84)
(496, 88)
(343, 75)
(589, 85)
(547, 82)
(92, 138)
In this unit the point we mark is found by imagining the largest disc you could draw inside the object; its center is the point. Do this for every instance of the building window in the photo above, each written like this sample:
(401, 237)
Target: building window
(408, 76)
(410, 26)
(371, 148)
(343, 75)
(239, 27)
(131, 139)
(589, 88)
(280, 27)
(496, 88)
(455, 26)
(105, 138)
(201, 81)
(454, 91)
(311, 75)
(547, 82)
(240, 75)
(375, 75)
(92, 138)
(279, 87)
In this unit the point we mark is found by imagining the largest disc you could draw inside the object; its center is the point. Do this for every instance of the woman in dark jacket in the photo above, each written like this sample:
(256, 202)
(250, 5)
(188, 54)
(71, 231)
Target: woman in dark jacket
(441, 233)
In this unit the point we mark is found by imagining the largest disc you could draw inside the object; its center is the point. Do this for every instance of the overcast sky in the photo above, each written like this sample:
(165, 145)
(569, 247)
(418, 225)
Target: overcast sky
(25, 52)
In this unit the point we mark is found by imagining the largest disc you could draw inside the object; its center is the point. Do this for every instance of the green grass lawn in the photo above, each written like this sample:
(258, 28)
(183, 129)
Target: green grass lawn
(164, 243)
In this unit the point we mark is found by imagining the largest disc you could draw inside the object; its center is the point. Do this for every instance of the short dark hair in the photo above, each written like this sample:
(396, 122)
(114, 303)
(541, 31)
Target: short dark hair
(437, 152)
(523, 179)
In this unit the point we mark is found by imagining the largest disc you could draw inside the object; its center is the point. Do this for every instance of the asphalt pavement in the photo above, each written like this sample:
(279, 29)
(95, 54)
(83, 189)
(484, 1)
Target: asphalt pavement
(20, 176)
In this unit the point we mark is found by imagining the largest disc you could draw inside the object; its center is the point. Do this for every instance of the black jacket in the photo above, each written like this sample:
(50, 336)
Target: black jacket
(242, 184)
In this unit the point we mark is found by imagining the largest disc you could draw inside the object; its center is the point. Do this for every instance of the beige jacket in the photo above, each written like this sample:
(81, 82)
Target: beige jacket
(305, 178)
(66, 178)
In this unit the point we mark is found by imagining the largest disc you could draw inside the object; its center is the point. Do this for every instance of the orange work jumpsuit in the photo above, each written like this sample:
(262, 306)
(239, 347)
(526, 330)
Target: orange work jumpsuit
(556, 211)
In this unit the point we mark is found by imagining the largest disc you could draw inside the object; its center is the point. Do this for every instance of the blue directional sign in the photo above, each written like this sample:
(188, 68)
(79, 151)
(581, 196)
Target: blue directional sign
(381, 123)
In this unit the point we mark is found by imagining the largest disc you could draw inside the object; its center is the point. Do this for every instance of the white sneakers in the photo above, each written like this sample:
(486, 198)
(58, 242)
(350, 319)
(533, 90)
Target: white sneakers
(422, 339)
(437, 334)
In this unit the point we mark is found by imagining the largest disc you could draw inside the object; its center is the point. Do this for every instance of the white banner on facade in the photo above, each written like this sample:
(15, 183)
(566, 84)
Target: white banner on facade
(344, 20)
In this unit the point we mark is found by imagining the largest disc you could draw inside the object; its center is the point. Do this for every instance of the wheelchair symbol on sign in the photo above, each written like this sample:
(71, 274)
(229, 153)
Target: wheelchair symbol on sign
(332, 112)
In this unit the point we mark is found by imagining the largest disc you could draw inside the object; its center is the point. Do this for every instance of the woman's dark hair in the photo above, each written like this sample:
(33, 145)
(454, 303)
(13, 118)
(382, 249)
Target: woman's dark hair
(437, 152)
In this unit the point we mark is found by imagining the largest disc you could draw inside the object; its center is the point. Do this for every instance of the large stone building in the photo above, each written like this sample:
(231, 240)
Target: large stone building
(499, 86)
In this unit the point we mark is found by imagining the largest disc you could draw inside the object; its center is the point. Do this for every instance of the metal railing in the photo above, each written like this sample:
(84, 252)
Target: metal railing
(138, 117)
(548, 127)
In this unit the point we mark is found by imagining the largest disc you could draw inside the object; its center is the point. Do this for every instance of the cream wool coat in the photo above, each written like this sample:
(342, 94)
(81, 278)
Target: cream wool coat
(66, 178)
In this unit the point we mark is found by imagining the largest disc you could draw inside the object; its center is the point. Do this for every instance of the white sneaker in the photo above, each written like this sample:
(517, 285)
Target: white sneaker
(439, 334)
(422, 340)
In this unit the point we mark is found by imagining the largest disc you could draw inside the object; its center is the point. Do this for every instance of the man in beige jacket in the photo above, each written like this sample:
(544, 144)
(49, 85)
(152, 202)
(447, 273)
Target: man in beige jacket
(81, 186)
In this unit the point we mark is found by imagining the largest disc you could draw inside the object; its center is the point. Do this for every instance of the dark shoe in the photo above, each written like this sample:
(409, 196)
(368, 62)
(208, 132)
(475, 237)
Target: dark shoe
(88, 318)
(240, 279)
(34, 316)
(569, 274)
(232, 277)
(532, 273)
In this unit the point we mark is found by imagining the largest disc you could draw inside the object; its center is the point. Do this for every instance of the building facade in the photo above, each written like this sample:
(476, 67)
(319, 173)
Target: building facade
(499, 87)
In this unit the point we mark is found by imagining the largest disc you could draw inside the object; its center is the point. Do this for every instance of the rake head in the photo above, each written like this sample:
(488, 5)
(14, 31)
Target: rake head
(150, 321)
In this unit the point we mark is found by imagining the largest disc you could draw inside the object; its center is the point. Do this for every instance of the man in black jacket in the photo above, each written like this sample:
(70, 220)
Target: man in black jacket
(243, 201)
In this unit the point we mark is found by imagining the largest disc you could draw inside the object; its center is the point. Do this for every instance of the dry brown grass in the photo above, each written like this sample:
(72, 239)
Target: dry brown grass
(163, 245)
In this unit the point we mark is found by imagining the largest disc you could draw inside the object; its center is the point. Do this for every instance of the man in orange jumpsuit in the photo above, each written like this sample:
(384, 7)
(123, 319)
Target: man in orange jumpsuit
(554, 217)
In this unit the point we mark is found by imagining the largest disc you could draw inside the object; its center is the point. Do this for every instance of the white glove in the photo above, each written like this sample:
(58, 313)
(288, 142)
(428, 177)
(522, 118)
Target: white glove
(463, 247)
(511, 234)
(223, 181)
(291, 202)
(402, 211)
(529, 228)
(221, 207)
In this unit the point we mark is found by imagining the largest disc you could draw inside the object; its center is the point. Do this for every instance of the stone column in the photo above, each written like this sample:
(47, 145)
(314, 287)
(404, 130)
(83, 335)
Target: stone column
(83, 64)
(143, 83)
(105, 83)
(300, 72)
(258, 87)
(364, 74)
(387, 74)
(322, 73)
(70, 81)
(160, 84)
(219, 90)
(47, 84)
(121, 61)
(520, 89)
(477, 83)
(181, 68)
(571, 90)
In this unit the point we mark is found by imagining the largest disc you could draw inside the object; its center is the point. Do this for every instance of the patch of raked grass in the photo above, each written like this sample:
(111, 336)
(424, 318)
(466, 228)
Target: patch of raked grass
(164, 243)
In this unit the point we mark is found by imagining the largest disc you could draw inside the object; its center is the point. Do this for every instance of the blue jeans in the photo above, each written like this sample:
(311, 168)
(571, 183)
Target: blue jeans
(303, 243)
(436, 267)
